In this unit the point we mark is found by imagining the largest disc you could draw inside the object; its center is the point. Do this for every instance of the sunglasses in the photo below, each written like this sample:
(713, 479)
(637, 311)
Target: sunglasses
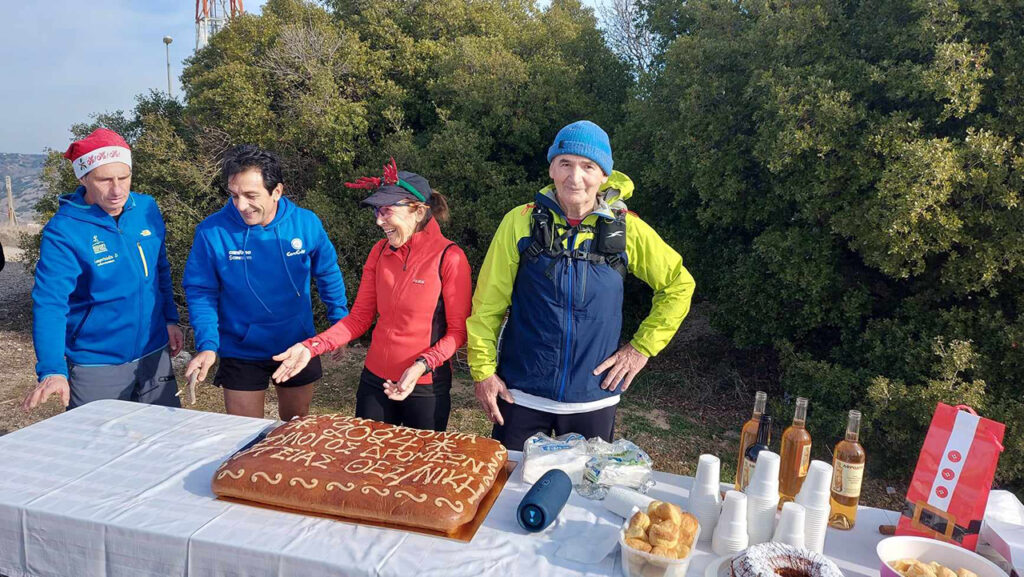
(385, 211)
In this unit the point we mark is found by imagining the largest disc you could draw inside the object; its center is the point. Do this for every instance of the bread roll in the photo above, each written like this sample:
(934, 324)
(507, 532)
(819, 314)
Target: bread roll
(639, 545)
(663, 534)
(662, 511)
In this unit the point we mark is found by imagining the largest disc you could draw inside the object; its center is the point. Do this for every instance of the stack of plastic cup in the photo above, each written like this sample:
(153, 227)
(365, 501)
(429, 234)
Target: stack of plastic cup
(731, 531)
(763, 497)
(814, 496)
(706, 496)
(791, 526)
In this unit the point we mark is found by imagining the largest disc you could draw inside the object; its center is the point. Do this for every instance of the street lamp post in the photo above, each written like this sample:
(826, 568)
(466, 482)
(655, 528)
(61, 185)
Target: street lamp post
(167, 45)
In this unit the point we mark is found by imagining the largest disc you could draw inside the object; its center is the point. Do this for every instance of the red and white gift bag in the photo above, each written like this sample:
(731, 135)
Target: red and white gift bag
(947, 496)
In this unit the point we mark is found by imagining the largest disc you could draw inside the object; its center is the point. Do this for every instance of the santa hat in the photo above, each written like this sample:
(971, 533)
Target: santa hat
(101, 147)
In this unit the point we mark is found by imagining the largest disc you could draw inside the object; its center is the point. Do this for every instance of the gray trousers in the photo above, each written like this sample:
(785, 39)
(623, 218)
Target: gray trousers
(148, 380)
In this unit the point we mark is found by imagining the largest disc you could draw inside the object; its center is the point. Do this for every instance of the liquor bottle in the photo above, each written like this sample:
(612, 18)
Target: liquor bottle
(848, 472)
(764, 438)
(748, 434)
(795, 454)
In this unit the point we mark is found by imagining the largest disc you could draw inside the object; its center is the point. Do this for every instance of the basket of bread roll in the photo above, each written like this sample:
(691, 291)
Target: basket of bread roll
(924, 557)
(658, 542)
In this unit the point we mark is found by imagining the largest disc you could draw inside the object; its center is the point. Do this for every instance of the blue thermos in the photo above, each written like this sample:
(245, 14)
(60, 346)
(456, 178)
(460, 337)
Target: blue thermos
(544, 501)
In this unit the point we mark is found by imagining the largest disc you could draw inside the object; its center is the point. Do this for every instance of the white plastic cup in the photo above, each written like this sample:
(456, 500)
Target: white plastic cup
(621, 501)
(706, 509)
(765, 480)
(761, 517)
(815, 527)
(709, 469)
(791, 525)
(814, 494)
(730, 534)
(705, 497)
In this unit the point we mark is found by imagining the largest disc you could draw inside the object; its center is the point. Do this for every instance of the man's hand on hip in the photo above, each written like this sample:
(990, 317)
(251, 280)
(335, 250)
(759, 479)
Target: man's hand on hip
(622, 367)
(50, 385)
(487, 393)
(175, 339)
(201, 364)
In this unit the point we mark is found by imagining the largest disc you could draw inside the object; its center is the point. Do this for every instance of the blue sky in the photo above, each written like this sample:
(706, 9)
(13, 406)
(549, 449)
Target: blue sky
(65, 60)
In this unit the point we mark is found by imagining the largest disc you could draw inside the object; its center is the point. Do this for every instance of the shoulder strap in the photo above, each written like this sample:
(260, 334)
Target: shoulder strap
(440, 263)
(541, 231)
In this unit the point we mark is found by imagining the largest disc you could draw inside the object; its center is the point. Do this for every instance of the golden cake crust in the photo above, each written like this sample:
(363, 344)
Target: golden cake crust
(366, 469)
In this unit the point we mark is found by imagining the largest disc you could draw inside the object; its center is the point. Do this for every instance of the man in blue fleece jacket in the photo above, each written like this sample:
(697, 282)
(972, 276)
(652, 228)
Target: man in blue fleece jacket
(247, 283)
(103, 311)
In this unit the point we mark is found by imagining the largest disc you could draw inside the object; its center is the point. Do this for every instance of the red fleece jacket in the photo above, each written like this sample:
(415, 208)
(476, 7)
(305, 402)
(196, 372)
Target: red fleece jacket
(419, 300)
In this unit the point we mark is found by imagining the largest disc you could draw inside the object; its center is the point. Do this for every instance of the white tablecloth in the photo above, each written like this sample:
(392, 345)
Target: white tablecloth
(120, 489)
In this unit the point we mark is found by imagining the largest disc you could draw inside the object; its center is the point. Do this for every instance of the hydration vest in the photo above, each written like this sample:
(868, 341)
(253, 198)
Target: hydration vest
(607, 247)
(565, 316)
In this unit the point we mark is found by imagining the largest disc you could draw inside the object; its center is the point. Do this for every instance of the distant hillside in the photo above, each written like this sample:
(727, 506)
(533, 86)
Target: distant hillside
(25, 171)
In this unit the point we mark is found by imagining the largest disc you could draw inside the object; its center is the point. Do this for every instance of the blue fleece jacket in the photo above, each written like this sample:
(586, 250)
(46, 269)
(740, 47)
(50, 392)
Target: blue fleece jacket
(247, 287)
(102, 293)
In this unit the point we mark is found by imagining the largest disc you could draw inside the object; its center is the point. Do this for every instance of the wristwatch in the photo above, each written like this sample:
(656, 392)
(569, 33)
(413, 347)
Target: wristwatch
(426, 365)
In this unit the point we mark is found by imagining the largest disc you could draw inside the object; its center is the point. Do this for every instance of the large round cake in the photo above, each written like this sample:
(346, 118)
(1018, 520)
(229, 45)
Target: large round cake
(778, 559)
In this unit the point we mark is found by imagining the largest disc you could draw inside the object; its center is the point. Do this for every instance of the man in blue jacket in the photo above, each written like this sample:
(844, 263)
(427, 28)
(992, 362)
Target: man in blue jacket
(247, 283)
(103, 311)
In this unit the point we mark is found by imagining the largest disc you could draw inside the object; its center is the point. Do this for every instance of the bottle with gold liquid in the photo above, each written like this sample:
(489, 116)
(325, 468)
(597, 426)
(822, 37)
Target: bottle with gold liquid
(749, 434)
(795, 454)
(848, 473)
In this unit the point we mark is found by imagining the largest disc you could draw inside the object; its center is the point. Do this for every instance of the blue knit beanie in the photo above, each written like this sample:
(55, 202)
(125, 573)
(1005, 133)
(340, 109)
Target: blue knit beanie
(584, 138)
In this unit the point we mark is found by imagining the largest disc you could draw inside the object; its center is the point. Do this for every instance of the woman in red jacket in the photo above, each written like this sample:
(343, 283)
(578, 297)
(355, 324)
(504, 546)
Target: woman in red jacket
(416, 284)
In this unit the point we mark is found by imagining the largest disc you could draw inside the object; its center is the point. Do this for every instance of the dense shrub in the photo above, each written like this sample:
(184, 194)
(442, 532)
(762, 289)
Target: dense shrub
(846, 178)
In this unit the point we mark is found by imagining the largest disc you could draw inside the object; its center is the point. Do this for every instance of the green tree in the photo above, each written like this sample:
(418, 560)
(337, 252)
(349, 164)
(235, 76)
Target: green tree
(467, 93)
(846, 179)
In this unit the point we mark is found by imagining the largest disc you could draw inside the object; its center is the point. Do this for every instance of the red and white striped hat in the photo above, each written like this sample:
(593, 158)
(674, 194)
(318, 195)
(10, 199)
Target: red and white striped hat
(102, 146)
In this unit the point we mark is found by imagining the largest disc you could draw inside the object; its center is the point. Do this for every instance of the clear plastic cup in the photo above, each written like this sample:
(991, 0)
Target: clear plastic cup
(636, 563)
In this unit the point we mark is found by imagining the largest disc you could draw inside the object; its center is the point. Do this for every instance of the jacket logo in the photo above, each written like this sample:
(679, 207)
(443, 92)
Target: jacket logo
(296, 247)
(239, 255)
(146, 232)
(105, 259)
(615, 234)
(98, 246)
(418, 281)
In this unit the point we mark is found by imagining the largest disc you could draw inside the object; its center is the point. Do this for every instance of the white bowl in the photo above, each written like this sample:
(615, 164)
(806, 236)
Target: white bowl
(928, 550)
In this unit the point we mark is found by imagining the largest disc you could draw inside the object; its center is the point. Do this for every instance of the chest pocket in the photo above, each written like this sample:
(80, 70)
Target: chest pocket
(146, 248)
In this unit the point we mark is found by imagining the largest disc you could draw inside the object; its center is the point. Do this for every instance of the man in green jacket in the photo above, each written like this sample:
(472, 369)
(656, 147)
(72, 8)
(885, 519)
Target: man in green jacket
(557, 267)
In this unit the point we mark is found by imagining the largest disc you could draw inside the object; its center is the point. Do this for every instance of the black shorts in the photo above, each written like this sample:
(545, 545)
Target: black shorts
(521, 423)
(245, 375)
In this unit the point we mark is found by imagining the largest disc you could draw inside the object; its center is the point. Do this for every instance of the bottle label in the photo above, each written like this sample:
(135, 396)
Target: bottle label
(747, 474)
(846, 478)
(805, 460)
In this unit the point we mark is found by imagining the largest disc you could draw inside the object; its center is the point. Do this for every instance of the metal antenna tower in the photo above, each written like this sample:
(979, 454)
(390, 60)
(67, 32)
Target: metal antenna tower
(212, 15)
